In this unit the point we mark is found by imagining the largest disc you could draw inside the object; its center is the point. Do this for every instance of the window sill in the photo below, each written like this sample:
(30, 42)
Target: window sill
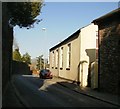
(61, 68)
(67, 68)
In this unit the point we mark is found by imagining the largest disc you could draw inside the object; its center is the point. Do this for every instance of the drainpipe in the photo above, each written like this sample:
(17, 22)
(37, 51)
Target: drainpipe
(78, 77)
(98, 58)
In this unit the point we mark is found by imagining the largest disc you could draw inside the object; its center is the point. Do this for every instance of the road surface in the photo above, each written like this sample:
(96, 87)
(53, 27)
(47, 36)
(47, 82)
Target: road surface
(38, 92)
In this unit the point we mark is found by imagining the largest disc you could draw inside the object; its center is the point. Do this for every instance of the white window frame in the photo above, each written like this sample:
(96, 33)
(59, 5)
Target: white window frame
(97, 44)
(56, 59)
(53, 58)
(96, 39)
(68, 55)
(61, 57)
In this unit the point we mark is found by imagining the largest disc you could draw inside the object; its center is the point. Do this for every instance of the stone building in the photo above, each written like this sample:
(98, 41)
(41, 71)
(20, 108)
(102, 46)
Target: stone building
(109, 51)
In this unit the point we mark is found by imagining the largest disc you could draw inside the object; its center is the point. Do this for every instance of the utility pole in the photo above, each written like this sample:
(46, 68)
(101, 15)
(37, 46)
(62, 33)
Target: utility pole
(44, 29)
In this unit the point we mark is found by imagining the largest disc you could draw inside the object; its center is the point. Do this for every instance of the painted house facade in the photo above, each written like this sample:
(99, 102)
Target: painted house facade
(70, 59)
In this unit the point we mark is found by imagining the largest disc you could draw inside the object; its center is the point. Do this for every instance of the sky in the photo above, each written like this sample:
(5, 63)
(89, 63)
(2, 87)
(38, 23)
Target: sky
(60, 20)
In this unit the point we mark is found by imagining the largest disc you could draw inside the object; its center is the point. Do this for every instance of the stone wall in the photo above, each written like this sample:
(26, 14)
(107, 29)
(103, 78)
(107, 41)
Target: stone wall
(109, 79)
(20, 68)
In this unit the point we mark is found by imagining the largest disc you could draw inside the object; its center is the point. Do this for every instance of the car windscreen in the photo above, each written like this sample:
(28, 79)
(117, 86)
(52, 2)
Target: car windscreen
(44, 72)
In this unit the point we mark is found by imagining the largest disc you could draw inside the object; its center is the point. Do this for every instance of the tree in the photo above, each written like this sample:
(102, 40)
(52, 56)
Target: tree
(40, 62)
(17, 55)
(26, 58)
(23, 14)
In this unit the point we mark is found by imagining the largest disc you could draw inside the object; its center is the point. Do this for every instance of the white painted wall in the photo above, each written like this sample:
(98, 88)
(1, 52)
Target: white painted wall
(87, 42)
(75, 50)
(73, 71)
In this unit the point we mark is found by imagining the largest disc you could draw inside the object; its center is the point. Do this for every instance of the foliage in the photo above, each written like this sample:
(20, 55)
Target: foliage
(16, 55)
(26, 58)
(23, 14)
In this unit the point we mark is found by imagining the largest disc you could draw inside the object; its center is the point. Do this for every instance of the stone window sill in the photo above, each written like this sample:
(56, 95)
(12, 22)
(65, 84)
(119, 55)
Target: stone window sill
(67, 68)
(61, 68)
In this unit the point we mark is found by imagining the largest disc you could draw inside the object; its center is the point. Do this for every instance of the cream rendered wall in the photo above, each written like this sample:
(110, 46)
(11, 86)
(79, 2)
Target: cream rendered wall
(87, 42)
(55, 68)
(75, 50)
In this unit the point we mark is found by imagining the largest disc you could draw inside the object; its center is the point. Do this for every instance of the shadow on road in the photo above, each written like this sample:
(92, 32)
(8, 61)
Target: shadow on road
(36, 92)
(69, 85)
(18, 88)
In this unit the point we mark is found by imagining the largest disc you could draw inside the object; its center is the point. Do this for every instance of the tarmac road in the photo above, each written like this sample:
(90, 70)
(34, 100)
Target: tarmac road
(36, 92)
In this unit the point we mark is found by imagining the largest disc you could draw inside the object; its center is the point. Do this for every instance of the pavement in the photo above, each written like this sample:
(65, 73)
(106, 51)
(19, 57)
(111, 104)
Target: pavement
(10, 98)
(102, 96)
(13, 99)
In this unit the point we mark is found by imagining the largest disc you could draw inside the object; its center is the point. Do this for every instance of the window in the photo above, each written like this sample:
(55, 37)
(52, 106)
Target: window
(96, 44)
(53, 56)
(56, 58)
(96, 53)
(68, 55)
(97, 34)
(61, 57)
(97, 39)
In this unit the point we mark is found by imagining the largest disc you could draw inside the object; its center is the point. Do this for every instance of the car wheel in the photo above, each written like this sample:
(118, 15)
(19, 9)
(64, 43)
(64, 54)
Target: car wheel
(40, 76)
(51, 77)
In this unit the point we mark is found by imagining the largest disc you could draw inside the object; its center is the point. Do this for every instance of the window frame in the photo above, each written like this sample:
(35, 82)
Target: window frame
(68, 57)
(61, 58)
(56, 59)
(53, 59)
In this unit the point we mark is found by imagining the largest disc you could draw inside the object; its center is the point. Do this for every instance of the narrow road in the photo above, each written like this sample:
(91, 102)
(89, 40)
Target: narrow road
(38, 92)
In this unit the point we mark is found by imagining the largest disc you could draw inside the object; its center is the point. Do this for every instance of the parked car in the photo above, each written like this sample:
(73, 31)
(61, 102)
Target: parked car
(45, 74)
